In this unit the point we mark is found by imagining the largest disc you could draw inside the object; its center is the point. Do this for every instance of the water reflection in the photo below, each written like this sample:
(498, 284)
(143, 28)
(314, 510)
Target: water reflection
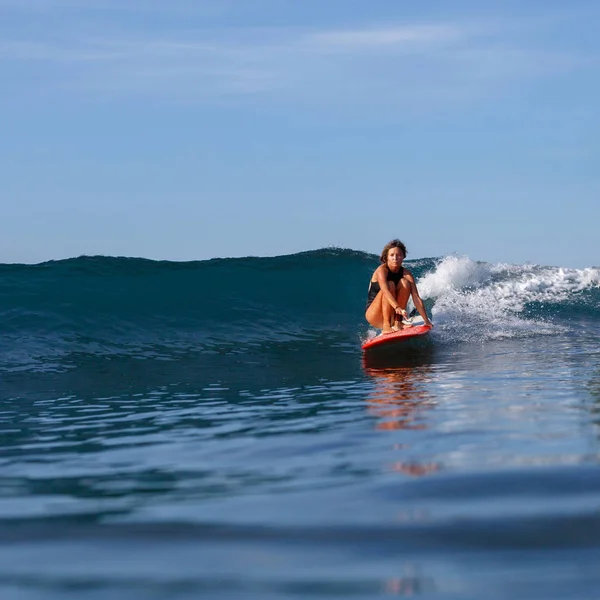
(400, 393)
(398, 398)
(401, 396)
(411, 584)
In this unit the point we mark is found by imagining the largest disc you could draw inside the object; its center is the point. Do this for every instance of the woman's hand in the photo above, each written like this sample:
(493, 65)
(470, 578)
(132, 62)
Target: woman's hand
(401, 311)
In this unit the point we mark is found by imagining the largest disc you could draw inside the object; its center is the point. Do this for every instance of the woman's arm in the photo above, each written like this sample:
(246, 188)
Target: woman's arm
(416, 298)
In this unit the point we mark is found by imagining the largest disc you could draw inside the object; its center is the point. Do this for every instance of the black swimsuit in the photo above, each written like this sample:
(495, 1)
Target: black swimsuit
(374, 287)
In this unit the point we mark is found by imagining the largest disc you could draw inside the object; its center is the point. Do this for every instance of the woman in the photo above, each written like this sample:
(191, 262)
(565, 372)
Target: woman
(390, 288)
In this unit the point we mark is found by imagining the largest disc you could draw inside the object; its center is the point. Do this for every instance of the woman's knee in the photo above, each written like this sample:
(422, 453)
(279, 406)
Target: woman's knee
(404, 289)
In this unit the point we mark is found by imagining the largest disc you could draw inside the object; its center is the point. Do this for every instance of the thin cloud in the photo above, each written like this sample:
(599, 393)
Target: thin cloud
(401, 36)
(398, 64)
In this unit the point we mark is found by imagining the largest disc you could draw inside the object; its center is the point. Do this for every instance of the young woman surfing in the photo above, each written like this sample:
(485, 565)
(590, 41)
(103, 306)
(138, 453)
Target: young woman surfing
(390, 288)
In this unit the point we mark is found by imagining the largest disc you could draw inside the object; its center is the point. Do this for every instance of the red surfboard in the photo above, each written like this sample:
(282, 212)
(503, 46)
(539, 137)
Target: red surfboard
(389, 339)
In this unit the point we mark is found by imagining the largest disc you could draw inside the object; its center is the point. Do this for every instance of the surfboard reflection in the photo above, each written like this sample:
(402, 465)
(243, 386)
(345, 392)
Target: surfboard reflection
(401, 399)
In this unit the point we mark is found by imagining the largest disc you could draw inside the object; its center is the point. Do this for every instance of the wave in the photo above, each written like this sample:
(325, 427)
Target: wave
(143, 308)
(478, 301)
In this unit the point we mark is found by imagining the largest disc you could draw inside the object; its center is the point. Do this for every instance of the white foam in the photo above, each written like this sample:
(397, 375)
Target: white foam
(481, 301)
(453, 272)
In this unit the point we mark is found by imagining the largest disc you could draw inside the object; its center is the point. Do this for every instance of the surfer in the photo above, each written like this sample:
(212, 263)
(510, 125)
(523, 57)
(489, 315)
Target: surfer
(389, 290)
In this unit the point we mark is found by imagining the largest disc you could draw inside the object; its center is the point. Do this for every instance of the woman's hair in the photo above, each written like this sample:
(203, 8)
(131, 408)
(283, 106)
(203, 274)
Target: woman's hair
(389, 246)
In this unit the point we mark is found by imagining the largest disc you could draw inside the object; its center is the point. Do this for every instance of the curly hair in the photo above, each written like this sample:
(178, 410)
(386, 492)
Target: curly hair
(389, 246)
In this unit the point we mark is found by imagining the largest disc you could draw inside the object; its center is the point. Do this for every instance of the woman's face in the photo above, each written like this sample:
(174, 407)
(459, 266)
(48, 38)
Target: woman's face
(395, 258)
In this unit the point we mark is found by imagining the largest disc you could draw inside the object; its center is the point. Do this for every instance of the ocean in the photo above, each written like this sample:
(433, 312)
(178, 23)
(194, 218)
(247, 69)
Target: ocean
(212, 429)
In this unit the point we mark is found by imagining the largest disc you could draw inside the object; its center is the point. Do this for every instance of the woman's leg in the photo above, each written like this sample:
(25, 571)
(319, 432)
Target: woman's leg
(403, 293)
(402, 296)
(389, 314)
(380, 313)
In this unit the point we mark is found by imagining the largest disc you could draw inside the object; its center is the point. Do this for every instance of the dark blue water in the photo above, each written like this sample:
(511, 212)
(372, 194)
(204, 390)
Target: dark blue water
(212, 429)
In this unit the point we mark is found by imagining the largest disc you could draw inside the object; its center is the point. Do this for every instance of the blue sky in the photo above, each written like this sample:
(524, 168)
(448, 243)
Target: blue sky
(188, 129)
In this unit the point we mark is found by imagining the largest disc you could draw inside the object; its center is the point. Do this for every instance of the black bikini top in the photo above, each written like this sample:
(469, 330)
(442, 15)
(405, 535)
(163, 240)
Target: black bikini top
(395, 277)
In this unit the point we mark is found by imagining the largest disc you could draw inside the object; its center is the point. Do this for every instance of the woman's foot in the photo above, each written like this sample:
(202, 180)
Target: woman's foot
(387, 329)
